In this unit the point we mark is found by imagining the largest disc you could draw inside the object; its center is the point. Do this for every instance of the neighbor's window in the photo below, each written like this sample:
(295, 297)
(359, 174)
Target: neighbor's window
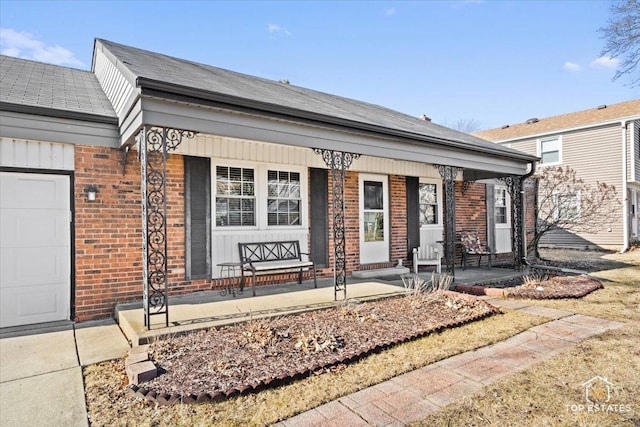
(501, 205)
(550, 150)
(428, 204)
(283, 203)
(567, 206)
(235, 196)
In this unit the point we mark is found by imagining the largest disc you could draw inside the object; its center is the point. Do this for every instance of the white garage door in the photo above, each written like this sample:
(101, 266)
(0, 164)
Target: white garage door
(35, 257)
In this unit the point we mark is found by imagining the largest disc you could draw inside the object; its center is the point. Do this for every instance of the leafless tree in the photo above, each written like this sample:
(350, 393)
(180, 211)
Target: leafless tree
(463, 125)
(566, 202)
(622, 37)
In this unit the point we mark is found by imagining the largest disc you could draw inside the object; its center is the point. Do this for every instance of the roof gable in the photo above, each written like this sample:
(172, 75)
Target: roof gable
(594, 116)
(38, 88)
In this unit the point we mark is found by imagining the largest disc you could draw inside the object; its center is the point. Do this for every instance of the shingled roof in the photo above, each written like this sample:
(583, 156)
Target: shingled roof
(601, 114)
(51, 90)
(199, 81)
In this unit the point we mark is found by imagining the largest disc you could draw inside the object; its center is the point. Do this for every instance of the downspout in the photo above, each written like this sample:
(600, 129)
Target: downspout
(524, 212)
(625, 198)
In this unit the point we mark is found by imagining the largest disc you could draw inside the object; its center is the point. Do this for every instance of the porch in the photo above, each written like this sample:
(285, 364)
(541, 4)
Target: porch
(203, 310)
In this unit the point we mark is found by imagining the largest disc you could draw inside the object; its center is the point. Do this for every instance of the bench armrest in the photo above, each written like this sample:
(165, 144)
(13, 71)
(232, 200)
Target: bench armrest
(307, 254)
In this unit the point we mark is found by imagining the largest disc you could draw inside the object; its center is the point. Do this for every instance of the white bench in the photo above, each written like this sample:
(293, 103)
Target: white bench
(271, 258)
(428, 254)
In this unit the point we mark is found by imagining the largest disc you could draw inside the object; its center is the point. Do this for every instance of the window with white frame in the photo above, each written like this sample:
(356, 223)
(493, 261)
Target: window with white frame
(429, 204)
(235, 196)
(258, 196)
(283, 202)
(550, 150)
(500, 194)
(567, 206)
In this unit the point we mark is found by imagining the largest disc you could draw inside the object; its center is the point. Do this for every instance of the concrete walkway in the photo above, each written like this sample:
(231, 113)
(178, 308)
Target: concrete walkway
(41, 380)
(413, 396)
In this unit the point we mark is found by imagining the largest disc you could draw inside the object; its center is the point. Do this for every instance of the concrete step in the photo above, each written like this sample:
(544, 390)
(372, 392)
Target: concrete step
(380, 272)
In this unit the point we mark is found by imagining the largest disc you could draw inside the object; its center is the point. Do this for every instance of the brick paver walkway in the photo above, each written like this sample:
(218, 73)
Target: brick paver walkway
(412, 396)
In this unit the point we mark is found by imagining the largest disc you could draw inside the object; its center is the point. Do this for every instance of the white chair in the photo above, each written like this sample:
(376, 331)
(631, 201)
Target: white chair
(428, 254)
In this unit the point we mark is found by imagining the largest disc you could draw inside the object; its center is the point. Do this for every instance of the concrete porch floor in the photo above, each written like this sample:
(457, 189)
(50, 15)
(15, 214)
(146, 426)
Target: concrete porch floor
(208, 309)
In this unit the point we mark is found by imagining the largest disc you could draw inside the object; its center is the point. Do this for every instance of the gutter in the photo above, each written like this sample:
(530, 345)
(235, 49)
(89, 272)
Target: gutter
(625, 198)
(524, 212)
(153, 87)
(57, 113)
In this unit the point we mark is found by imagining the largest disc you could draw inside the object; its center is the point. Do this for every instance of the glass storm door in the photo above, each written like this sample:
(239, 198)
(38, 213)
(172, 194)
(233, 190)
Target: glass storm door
(374, 219)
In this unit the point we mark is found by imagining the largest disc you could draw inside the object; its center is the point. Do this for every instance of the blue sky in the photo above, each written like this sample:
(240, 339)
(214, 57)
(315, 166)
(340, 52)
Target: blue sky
(494, 62)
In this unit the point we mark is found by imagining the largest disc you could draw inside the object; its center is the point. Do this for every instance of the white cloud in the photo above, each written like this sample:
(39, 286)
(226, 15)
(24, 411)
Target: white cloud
(572, 66)
(275, 28)
(24, 45)
(390, 11)
(606, 62)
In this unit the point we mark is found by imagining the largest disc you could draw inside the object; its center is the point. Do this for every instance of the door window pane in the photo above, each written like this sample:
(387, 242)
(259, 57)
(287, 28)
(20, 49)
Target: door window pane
(501, 205)
(373, 227)
(373, 196)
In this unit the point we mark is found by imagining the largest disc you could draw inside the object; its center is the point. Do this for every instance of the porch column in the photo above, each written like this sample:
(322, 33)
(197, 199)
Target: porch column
(448, 174)
(153, 145)
(338, 162)
(514, 187)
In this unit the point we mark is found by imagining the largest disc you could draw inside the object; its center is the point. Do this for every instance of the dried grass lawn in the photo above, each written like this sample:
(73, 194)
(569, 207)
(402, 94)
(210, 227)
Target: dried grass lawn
(546, 394)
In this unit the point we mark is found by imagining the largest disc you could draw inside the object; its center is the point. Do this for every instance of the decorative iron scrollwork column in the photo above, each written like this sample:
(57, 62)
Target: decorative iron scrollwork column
(153, 146)
(514, 187)
(338, 162)
(448, 174)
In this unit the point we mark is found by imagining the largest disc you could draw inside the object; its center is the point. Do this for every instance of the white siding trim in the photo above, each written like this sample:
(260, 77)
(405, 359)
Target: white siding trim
(220, 147)
(36, 154)
(113, 83)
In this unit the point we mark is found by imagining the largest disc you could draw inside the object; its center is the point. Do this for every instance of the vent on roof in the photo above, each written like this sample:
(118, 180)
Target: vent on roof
(425, 118)
(505, 126)
(284, 81)
(602, 107)
(532, 120)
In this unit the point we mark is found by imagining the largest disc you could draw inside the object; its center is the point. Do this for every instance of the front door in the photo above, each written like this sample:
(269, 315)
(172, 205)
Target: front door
(374, 219)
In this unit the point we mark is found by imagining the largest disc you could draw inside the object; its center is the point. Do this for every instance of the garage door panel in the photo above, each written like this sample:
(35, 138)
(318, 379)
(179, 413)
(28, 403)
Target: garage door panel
(29, 227)
(33, 304)
(35, 248)
(34, 266)
(34, 191)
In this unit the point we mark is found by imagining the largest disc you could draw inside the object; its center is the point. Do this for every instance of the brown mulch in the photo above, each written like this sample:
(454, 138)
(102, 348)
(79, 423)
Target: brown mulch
(217, 363)
(555, 287)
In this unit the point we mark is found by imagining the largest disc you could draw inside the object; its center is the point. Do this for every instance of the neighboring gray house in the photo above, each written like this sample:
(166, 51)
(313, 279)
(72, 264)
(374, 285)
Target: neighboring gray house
(600, 144)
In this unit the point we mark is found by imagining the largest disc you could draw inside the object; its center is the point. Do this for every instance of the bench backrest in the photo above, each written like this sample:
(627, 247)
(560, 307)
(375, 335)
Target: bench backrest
(269, 251)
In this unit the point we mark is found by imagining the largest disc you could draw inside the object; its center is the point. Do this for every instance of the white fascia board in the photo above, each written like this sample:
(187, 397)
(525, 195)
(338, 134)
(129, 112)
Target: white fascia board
(131, 124)
(54, 129)
(570, 129)
(244, 126)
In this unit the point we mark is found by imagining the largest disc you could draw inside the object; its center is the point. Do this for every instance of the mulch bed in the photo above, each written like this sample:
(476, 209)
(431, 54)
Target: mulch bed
(215, 364)
(555, 287)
